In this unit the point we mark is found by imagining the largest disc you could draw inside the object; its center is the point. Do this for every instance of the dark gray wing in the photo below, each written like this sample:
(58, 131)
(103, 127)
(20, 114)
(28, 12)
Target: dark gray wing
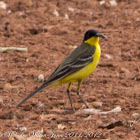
(78, 59)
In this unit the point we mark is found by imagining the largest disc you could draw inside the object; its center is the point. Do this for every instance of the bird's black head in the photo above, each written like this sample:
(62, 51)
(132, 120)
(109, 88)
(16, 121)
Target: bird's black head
(92, 33)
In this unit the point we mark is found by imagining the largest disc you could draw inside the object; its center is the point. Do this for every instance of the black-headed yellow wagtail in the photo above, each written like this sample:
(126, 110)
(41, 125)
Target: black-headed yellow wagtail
(76, 67)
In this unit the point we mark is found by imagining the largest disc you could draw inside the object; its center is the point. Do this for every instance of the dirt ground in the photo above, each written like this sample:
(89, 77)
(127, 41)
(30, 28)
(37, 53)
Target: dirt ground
(50, 29)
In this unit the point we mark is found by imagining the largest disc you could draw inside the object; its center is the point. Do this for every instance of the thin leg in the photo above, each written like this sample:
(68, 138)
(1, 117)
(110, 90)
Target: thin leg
(68, 92)
(78, 89)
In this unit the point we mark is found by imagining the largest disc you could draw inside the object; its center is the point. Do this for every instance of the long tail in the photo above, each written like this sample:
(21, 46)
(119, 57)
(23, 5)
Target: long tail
(31, 94)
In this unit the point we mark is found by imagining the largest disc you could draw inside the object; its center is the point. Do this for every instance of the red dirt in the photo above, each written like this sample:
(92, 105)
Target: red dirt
(116, 81)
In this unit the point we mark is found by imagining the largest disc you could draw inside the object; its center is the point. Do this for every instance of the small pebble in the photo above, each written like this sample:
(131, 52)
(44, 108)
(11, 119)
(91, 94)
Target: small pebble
(97, 105)
(102, 2)
(70, 9)
(113, 2)
(91, 13)
(73, 123)
(124, 70)
(3, 5)
(56, 13)
(41, 78)
(22, 14)
(109, 57)
(62, 127)
(7, 86)
(73, 47)
(66, 16)
(9, 11)
(40, 105)
(23, 129)
(136, 115)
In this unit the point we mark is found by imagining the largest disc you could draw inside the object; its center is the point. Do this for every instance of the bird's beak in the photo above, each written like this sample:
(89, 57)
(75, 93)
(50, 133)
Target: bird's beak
(101, 35)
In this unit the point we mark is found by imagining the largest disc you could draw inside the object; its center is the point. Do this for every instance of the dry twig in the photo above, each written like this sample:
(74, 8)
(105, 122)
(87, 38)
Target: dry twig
(6, 49)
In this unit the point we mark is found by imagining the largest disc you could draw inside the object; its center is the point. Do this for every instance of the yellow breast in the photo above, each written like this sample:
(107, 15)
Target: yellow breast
(86, 71)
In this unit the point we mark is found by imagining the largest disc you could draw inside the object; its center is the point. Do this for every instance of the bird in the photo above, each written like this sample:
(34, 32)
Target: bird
(77, 66)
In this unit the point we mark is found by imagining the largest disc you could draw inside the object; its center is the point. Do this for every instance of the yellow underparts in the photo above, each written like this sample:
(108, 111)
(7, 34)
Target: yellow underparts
(86, 71)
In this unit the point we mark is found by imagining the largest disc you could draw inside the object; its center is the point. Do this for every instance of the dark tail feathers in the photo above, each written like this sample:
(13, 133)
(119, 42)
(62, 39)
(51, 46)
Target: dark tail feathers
(31, 94)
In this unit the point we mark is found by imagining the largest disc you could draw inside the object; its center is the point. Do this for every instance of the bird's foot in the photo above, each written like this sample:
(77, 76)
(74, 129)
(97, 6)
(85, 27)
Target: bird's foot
(73, 109)
(86, 105)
